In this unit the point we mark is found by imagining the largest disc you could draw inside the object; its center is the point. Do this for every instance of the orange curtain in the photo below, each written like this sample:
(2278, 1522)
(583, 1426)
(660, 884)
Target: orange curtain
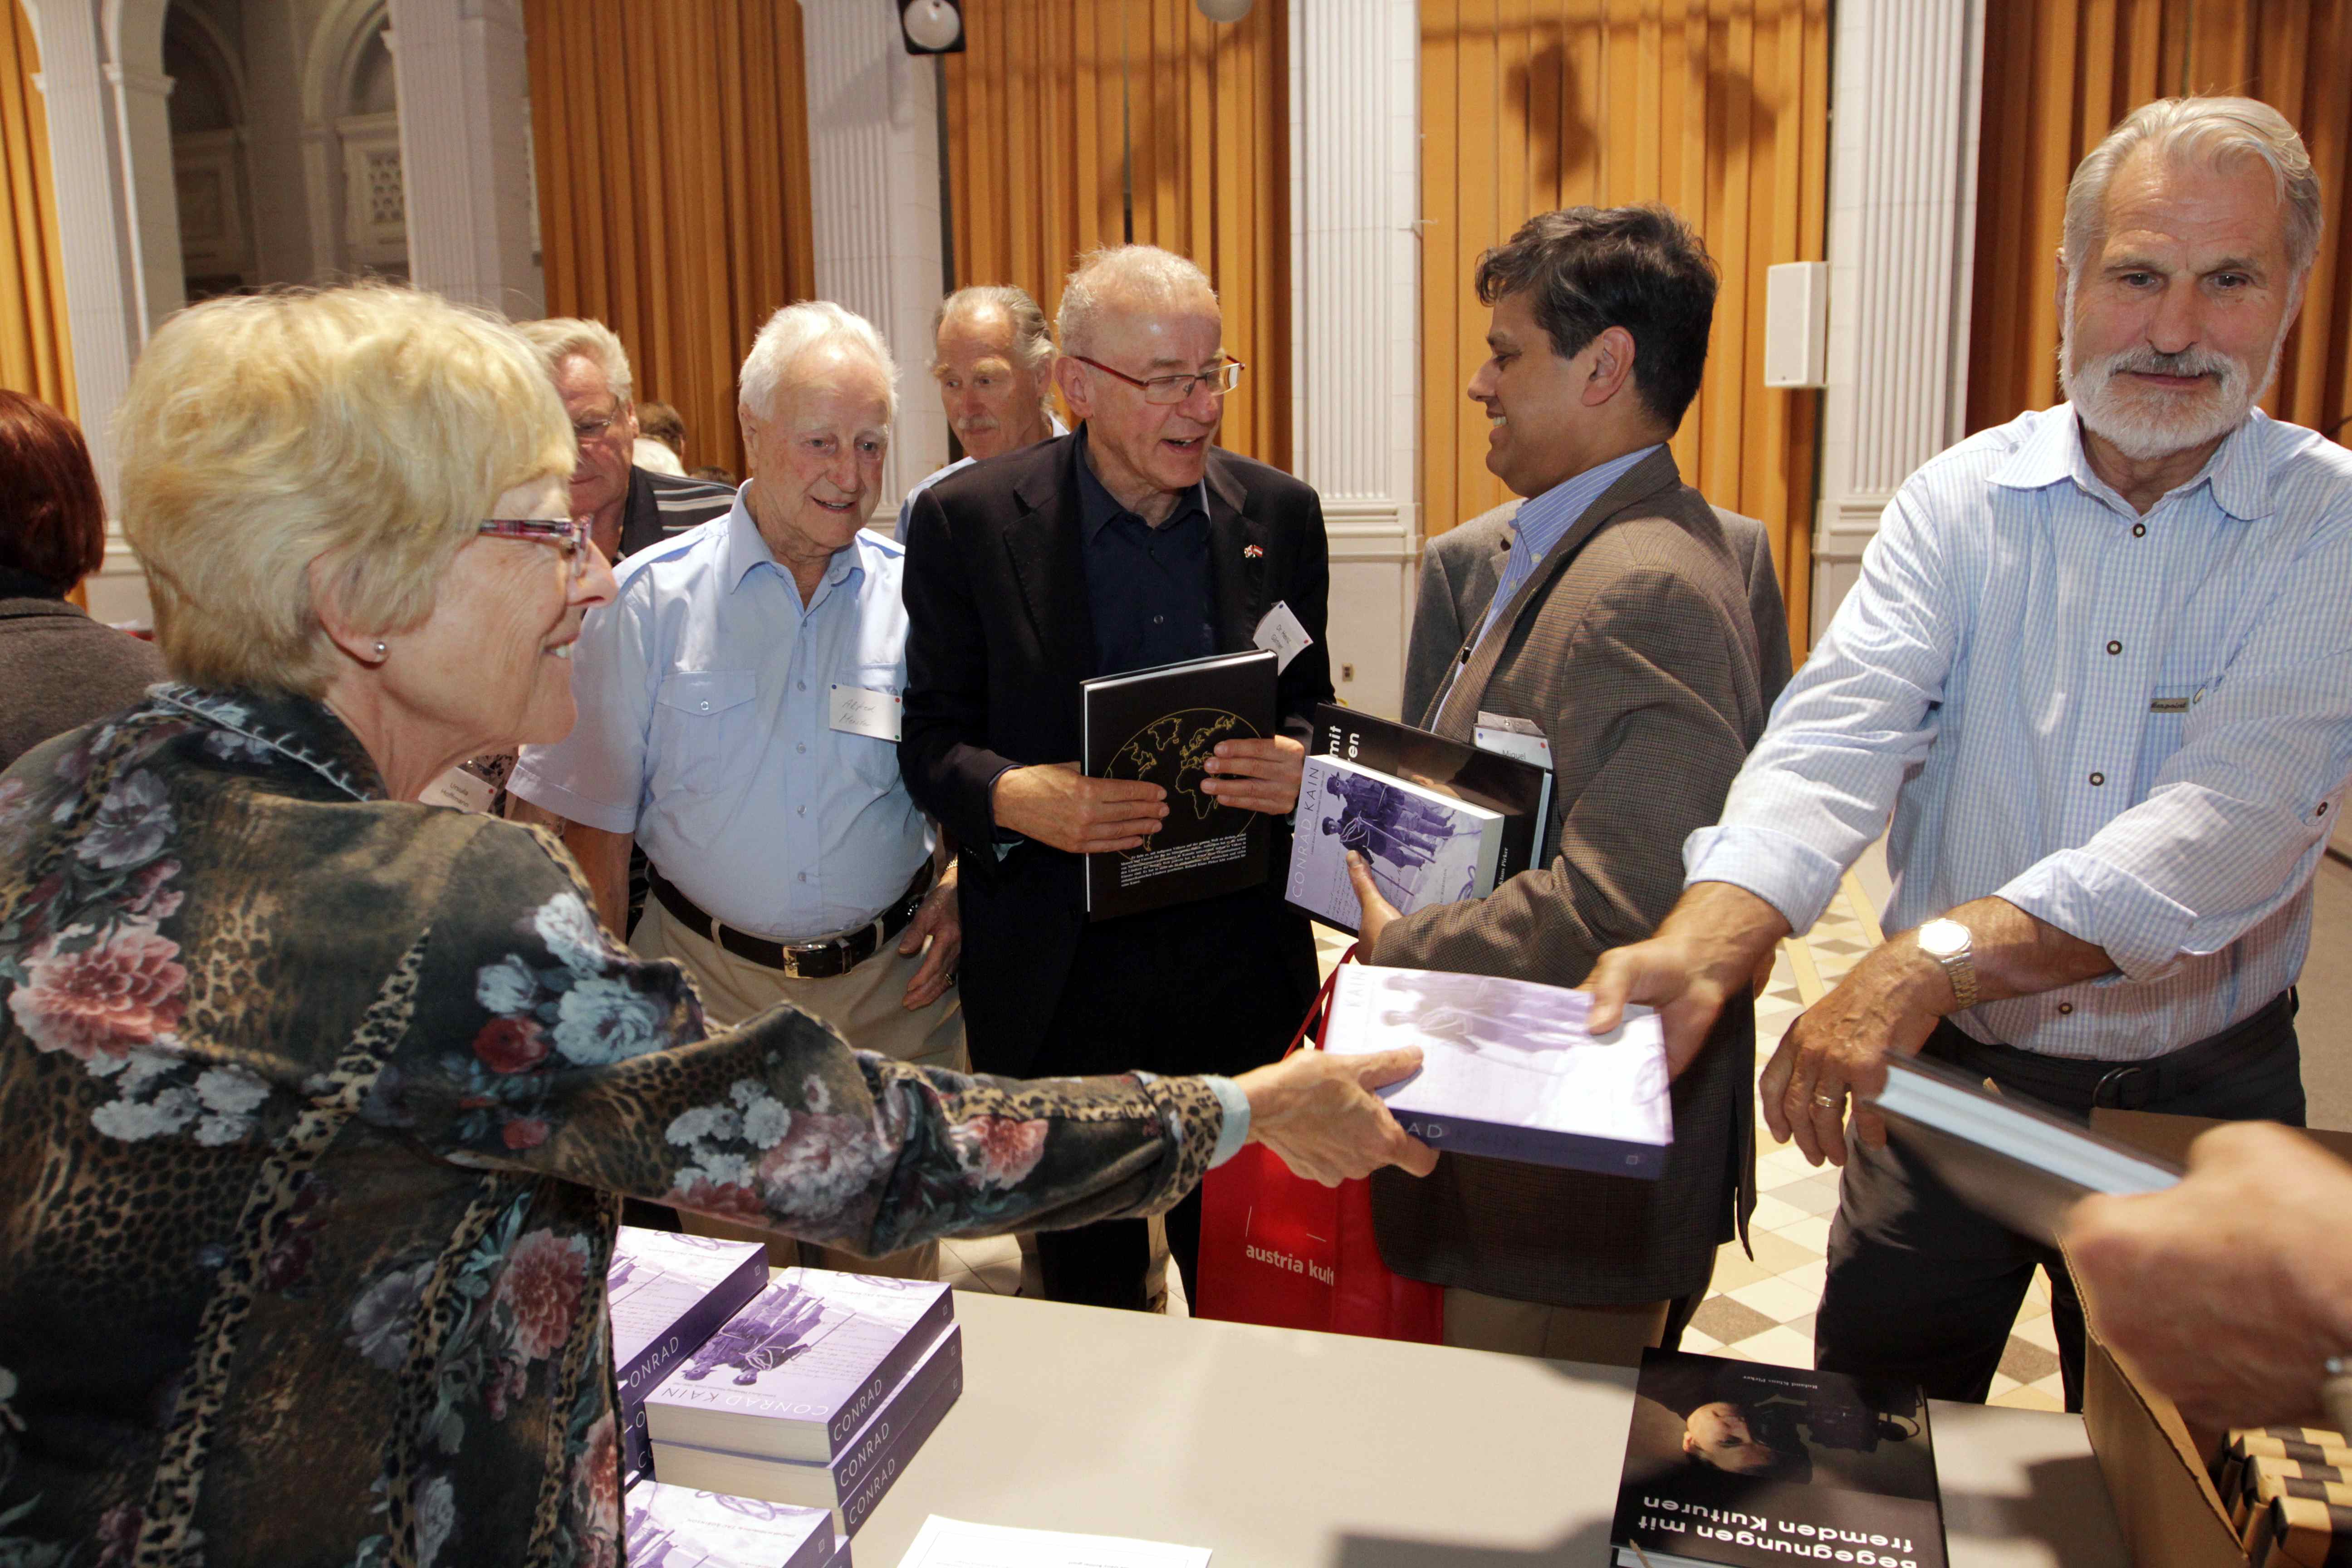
(1718, 108)
(1036, 175)
(36, 350)
(2059, 74)
(672, 147)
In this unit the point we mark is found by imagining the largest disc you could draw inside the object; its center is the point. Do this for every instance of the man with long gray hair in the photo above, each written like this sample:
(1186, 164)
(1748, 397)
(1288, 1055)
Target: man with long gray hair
(2098, 667)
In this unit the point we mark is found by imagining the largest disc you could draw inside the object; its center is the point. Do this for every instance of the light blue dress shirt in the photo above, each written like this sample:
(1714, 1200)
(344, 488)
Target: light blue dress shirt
(705, 697)
(1540, 521)
(2136, 728)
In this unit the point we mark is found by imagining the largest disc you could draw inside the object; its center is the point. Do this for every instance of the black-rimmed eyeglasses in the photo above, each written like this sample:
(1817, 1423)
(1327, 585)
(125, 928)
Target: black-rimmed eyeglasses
(1177, 388)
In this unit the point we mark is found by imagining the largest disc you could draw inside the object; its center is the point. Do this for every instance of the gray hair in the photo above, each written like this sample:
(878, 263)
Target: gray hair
(1033, 340)
(1143, 273)
(2219, 131)
(793, 331)
(558, 338)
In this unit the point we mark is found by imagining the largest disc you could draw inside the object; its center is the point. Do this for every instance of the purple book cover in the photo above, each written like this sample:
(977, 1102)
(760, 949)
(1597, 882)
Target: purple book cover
(666, 1293)
(799, 1370)
(840, 1558)
(1509, 1070)
(855, 1481)
(674, 1527)
(1424, 846)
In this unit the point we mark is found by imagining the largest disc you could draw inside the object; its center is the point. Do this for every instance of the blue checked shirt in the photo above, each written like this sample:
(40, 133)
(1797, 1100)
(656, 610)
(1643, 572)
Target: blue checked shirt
(706, 729)
(2136, 728)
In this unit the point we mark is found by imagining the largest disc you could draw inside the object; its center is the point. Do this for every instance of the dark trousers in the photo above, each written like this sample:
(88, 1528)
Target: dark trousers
(1172, 991)
(1923, 1288)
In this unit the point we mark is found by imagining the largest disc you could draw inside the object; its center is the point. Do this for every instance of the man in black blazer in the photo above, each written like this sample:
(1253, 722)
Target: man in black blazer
(1131, 544)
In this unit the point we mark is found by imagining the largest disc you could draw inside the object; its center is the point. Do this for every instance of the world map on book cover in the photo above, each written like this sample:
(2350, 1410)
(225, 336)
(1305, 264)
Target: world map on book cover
(1748, 1465)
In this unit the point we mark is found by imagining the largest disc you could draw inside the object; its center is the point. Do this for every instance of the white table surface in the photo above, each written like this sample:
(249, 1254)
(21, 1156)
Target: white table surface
(1275, 1448)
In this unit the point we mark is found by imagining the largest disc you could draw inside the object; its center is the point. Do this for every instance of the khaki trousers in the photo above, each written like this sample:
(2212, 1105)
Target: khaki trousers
(1609, 1336)
(863, 1005)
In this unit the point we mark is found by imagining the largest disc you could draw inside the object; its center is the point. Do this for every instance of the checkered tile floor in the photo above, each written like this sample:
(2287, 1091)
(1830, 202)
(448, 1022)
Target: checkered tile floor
(1759, 1308)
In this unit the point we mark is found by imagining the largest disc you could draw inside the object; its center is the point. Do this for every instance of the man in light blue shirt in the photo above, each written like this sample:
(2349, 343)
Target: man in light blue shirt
(739, 717)
(2099, 666)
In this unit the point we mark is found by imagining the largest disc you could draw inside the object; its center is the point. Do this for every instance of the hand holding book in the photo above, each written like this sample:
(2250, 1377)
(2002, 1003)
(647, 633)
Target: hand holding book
(1319, 1114)
(1257, 775)
(1056, 804)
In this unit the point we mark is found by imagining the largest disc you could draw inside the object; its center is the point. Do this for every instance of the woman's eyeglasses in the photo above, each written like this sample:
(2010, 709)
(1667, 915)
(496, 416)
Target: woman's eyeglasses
(568, 535)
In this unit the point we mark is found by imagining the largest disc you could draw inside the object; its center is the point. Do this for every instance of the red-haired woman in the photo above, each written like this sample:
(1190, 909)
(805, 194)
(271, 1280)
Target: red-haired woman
(58, 668)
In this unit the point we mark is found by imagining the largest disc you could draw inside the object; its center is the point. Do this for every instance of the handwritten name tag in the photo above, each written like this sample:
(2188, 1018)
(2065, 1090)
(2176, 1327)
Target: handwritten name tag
(1281, 634)
(859, 710)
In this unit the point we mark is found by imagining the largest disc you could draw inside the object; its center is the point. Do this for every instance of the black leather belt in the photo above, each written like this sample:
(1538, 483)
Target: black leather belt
(799, 960)
(2074, 1086)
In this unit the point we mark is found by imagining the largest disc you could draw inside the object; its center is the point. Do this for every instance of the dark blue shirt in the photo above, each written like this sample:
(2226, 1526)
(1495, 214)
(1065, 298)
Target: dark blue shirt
(1149, 587)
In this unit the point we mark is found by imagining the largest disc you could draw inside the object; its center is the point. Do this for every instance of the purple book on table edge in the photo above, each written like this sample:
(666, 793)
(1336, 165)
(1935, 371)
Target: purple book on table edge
(666, 1524)
(798, 1372)
(666, 1293)
(857, 1481)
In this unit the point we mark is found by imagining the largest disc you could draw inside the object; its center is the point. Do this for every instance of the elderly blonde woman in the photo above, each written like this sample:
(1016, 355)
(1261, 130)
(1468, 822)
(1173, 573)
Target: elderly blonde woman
(318, 1101)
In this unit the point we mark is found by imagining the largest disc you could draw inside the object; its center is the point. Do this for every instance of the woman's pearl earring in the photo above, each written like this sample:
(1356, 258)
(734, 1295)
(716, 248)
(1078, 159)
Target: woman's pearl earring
(382, 652)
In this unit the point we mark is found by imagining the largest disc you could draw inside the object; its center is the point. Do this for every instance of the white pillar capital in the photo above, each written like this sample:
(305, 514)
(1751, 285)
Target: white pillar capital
(1902, 243)
(464, 83)
(874, 184)
(150, 83)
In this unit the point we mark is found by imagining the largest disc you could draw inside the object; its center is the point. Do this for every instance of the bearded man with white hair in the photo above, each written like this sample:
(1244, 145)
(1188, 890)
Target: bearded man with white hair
(739, 704)
(2099, 667)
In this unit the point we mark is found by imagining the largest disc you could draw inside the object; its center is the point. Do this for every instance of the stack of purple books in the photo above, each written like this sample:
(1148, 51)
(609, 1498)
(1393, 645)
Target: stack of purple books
(666, 1294)
(817, 1394)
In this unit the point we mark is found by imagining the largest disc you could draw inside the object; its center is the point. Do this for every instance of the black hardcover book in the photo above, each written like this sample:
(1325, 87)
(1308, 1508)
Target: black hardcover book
(1519, 790)
(1162, 726)
(1733, 1464)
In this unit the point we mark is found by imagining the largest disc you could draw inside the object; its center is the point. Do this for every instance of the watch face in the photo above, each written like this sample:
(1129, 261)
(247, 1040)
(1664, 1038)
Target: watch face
(1942, 938)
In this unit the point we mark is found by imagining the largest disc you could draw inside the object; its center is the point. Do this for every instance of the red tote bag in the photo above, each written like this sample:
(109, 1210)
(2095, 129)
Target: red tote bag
(1278, 1249)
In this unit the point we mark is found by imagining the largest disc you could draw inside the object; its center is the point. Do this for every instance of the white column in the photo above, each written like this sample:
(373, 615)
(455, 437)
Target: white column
(1902, 242)
(96, 233)
(141, 107)
(1355, 193)
(465, 151)
(873, 184)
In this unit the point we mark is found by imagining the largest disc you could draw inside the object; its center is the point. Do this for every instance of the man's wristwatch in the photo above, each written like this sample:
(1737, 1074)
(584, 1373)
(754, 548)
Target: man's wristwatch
(1947, 942)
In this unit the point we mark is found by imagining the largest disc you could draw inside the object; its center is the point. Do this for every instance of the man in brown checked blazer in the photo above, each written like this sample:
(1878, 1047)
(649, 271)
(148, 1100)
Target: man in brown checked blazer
(1643, 631)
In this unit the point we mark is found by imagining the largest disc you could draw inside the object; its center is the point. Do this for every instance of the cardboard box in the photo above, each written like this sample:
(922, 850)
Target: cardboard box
(2159, 1468)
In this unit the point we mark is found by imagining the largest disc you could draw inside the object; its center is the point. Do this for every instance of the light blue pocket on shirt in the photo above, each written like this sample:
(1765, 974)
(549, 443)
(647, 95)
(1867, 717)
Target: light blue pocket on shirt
(693, 740)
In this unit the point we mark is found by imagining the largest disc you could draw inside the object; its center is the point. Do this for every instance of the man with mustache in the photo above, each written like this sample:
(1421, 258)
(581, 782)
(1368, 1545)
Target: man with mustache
(992, 355)
(2099, 669)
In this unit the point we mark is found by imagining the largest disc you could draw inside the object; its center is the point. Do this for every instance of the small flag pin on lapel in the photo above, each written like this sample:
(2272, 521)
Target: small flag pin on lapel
(1252, 551)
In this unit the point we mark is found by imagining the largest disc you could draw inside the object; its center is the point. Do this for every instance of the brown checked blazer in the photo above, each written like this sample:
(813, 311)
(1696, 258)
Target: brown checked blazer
(1648, 646)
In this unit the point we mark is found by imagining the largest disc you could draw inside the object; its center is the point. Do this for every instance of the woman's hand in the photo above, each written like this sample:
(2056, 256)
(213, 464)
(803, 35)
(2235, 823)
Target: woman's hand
(1319, 1113)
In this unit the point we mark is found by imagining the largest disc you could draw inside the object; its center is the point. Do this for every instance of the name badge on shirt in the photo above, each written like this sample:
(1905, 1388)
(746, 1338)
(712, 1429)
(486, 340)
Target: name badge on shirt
(1513, 738)
(1281, 634)
(860, 710)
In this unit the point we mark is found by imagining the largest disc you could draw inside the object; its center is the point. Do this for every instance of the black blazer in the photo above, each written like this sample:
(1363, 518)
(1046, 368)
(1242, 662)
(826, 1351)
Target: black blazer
(999, 636)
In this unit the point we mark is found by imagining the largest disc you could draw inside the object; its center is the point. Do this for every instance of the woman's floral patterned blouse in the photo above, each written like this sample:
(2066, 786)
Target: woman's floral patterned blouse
(316, 1109)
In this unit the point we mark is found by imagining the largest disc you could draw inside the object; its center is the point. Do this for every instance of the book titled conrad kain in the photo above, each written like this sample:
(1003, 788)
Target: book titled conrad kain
(1422, 846)
(1518, 790)
(799, 1370)
(1161, 726)
(852, 1482)
(666, 1294)
(1733, 1464)
(677, 1527)
(1509, 1070)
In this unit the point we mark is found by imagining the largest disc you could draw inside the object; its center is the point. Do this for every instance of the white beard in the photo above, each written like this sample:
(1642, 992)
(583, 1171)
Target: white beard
(2152, 424)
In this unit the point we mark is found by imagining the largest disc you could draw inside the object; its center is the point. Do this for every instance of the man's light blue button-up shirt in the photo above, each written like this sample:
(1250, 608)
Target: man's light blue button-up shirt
(2136, 728)
(1541, 522)
(705, 696)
